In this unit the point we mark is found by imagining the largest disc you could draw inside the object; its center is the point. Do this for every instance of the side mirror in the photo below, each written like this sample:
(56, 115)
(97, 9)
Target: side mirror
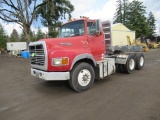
(98, 26)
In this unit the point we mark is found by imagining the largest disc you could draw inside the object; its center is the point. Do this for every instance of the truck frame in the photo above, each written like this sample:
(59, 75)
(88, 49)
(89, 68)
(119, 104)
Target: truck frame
(80, 55)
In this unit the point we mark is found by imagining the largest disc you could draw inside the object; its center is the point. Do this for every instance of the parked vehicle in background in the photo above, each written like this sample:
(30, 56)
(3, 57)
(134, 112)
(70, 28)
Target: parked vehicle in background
(11, 46)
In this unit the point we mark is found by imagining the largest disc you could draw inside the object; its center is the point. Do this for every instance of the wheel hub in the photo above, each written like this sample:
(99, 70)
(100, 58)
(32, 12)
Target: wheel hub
(141, 61)
(131, 64)
(84, 77)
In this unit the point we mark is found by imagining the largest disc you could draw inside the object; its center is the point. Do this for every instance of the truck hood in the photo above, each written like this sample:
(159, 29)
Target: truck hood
(64, 43)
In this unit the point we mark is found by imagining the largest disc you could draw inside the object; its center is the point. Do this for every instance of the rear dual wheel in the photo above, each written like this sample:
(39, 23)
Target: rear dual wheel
(120, 68)
(130, 64)
(133, 62)
(140, 60)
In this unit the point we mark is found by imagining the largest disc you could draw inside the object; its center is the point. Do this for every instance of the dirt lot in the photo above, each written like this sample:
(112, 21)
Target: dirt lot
(118, 97)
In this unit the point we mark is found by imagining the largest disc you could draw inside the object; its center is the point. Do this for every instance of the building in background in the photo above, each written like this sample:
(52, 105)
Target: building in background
(119, 34)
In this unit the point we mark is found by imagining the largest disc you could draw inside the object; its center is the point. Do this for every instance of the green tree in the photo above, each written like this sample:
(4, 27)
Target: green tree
(39, 34)
(14, 37)
(22, 12)
(54, 29)
(118, 17)
(136, 19)
(33, 36)
(151, 23)
(51, 11)
(125, 10)
(22, 37)
(3, 37)
(121, 11)
(132, 15)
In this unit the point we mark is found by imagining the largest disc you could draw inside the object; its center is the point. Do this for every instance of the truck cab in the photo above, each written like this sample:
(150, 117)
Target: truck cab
(84, 37)
(78, 55)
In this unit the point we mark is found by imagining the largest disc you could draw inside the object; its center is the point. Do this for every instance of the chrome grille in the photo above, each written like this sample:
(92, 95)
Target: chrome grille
(37, 54)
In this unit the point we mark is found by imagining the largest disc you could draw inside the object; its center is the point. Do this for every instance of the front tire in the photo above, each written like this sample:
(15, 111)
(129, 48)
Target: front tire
(82, 77)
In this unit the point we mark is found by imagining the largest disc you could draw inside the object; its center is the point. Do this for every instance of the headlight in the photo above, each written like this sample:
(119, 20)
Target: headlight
(60, 61)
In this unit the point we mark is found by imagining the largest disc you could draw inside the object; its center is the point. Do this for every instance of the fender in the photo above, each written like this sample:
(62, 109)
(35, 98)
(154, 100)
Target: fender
(122, 58)
(82, 56)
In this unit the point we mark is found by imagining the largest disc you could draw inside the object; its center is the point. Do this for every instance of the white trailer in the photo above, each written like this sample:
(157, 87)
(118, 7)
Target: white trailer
(16, 46)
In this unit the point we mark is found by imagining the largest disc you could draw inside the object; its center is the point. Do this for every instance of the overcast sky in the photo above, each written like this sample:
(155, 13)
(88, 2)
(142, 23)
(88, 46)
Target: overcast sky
(101, 9)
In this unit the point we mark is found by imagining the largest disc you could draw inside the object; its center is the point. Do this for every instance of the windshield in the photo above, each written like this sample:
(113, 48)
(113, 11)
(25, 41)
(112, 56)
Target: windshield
(75, 28)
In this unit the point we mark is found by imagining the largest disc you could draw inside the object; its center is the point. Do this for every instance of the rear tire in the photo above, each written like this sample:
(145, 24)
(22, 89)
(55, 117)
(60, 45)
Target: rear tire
(82, 77)
(140, 60)
(129, 67)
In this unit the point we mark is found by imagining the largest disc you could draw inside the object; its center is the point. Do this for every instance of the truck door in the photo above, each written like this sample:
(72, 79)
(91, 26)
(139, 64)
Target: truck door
(95, 42)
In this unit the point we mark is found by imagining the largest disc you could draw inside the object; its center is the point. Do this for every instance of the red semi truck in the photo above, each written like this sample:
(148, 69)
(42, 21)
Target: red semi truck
(80, 56)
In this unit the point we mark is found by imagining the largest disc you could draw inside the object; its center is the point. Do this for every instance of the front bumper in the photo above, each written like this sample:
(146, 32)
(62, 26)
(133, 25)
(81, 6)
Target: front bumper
(50, 76)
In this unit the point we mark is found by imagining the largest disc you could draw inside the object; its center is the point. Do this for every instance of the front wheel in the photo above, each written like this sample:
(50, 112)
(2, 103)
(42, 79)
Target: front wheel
(82, 77)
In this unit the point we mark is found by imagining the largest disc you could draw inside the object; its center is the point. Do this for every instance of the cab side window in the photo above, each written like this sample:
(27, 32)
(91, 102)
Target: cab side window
(91, 26)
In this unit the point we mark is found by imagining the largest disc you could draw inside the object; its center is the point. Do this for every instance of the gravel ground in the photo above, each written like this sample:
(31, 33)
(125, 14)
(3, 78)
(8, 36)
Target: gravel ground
(118, 97)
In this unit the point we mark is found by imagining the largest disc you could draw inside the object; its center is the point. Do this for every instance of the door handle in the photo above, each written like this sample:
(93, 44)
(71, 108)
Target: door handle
(85, 42)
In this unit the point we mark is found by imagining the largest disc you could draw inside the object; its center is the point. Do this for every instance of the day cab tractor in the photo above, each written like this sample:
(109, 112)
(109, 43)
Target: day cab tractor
(80, 56)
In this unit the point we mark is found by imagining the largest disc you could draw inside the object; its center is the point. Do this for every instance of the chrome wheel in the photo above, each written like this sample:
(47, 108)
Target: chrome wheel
(131, 64)
(141, 61)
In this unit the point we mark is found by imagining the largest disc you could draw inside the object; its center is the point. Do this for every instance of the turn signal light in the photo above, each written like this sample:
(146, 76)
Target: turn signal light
(65, 61)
